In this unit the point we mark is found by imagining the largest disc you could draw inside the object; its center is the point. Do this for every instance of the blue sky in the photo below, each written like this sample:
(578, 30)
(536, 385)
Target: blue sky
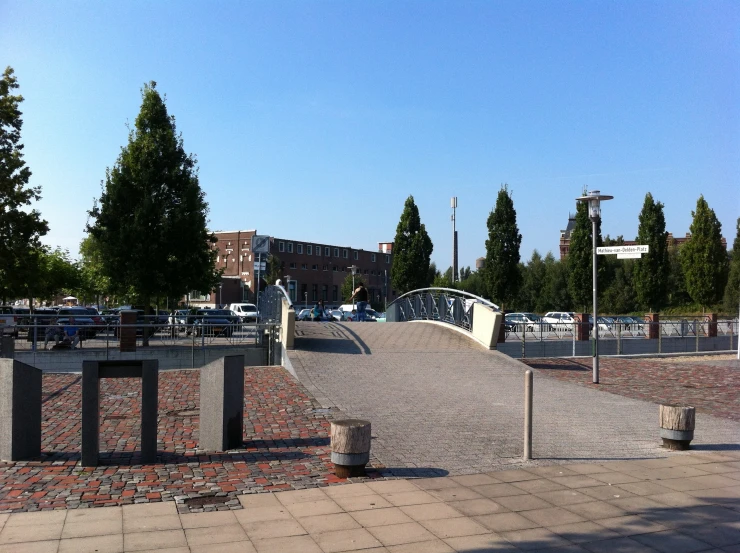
(315, 120)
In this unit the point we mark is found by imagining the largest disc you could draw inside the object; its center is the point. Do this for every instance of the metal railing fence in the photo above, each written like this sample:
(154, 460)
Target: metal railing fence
(444, 305)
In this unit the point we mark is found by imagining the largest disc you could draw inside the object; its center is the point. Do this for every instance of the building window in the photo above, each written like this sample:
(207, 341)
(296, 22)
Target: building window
(281, 246)
(292, 265)
(356, 256)
(326, 267)
(318, 250)
(315, 267)
(335, 269)
(197, 296)
(309, 249)
(299, 248)
(344, 254)
(314, 292)
(290, 247)
(325, 292)
(327, 251)
(336, 252)
(387, 258)
(304, 266)
(372, 257)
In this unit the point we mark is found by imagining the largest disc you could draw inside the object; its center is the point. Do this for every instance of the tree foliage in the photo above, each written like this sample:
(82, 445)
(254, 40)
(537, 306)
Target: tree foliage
(347, 289)
(703, 258)
(580, 259)
(412, 249)
(150, 221)
(651, 269)
(732, 290)
(20, 228)
(502, 274)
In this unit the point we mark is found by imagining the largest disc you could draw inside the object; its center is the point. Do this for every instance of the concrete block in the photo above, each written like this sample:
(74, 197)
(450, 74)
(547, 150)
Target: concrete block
(20, 411)
(222, 404)
(92, 372)
(7, 347)
(486, 325)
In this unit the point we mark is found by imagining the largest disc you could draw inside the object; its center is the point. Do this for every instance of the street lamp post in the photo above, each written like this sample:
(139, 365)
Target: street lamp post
(353, 268)
(594, 199)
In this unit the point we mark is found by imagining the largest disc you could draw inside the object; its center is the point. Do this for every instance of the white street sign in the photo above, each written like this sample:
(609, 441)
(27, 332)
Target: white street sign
(260, 266)
(611, 250)
(629, 255)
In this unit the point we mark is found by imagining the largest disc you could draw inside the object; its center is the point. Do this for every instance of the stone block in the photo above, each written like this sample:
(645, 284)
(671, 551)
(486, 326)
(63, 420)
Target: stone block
(92, 372)
(653, 326)
(583, 327)
(127, 331)
(7, 347)
(486, 325)
(222, 404)
(20, 411)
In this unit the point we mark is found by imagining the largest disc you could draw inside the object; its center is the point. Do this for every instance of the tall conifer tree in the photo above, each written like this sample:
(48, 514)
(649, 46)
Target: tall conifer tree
(150, 221)
(580, 262)
(732, 290)
(412, 249)
(502, 275)
(703, 257)
(650, 272)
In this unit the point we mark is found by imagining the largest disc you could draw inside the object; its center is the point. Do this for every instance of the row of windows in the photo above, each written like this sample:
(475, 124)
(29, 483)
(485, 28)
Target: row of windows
(374, 294)
(283, 246)
(334, 268)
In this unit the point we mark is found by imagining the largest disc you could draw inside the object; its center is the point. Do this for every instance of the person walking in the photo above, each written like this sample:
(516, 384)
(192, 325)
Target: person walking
(361, 294)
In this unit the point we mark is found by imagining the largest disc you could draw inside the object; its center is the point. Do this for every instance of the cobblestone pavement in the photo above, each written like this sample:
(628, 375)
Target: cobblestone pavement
(286, 446)
(711, 385)
(688, 503)
(439, 403)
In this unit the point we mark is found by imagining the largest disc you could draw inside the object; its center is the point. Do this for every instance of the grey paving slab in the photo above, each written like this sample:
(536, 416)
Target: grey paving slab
(439, 403)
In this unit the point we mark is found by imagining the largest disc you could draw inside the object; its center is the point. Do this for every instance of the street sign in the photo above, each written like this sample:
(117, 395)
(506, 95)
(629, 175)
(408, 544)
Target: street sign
(260, 243)
(611, 250)
(260, 266)
(629, 255)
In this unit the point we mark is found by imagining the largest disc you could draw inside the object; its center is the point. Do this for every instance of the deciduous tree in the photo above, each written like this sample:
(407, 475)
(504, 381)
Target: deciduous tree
(650, 272)
(703, 257)
(502, 274)
(412, 249)
(20, 228)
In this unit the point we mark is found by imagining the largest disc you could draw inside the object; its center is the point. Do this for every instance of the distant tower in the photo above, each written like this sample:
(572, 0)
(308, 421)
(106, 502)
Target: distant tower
(480, 263)
(453, 205)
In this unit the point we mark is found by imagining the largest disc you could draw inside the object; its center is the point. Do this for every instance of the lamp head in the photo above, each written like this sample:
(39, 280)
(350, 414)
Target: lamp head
(594, 199)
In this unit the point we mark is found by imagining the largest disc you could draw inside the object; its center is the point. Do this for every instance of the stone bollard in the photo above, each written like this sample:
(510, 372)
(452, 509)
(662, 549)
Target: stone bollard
(677, 426)
(222, 404)
(20, 411)
(350, 447)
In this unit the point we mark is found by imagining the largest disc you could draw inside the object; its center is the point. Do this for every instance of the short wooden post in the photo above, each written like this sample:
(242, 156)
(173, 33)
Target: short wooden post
(528, 415)
(350, 447)
(677, 426)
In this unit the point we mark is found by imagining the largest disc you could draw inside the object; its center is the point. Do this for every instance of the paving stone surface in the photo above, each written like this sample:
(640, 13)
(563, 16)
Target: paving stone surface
(286, 445)
(710, 385)
(358, 517)
(439, 403)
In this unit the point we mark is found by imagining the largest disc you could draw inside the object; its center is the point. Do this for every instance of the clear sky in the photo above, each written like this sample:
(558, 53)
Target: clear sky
(314, 120)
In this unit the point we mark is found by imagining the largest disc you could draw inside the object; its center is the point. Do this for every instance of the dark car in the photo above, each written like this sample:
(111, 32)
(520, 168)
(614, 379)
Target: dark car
(215, 322)
(82, 320)
(143, 324)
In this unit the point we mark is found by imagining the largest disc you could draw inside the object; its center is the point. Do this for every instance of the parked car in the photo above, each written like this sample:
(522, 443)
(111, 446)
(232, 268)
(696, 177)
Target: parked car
(7, 321)
(179, 319)
(42, 318)
(530, 321)
(99, 321)
(143, 324)
(215, 322)
(247, 312)
(559, 320)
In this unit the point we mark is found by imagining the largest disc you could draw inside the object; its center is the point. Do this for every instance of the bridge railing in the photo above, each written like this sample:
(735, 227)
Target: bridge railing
(445, 305)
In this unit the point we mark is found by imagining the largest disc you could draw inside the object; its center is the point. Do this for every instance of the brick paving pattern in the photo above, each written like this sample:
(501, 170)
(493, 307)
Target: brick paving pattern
(712, 386)
(286, 445)
(439, 403)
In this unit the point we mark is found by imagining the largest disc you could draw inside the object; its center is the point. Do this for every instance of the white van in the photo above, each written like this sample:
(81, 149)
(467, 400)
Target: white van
(247, 312)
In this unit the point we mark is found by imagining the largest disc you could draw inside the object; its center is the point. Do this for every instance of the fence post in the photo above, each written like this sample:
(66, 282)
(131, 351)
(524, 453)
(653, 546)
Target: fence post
(619, 338)
(696, 333)
(528, 415)
(660, 339)
(575, 329)
(524, 342)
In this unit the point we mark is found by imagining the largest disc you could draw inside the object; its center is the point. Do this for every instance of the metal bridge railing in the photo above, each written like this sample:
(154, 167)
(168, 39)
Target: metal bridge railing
(444, 305)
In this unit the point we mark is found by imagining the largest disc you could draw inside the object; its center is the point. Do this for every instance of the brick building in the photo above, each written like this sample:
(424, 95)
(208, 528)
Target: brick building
(309, 271)
(565, 238)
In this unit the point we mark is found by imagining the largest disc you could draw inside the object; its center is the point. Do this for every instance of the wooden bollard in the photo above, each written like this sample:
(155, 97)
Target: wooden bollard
(677, 426)
(350, 447)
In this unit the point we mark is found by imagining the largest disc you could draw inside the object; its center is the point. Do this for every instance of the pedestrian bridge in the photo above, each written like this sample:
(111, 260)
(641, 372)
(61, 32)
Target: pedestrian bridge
(441, 402)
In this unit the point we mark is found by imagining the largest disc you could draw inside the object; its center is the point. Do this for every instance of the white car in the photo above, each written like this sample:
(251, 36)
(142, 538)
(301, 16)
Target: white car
(559, 320)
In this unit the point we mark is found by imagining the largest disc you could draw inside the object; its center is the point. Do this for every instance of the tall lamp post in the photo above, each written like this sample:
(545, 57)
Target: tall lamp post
(353, 268)
(594, 199)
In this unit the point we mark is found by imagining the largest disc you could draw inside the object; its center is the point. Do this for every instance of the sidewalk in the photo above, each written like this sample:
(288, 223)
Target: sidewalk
(688, 502)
